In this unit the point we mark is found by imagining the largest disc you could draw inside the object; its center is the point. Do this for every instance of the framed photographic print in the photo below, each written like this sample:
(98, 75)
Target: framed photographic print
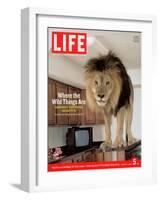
(86, 109)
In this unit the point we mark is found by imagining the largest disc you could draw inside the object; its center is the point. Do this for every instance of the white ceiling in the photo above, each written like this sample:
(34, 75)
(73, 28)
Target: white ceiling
(126, 45)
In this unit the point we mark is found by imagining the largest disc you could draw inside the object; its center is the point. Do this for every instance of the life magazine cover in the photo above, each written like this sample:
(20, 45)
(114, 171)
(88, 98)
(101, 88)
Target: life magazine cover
(94, 99)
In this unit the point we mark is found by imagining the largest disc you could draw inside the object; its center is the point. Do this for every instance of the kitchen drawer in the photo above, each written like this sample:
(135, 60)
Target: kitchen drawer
(77, 158)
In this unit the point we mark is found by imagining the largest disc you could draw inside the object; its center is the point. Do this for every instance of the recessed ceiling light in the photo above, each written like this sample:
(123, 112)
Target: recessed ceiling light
(136, 39)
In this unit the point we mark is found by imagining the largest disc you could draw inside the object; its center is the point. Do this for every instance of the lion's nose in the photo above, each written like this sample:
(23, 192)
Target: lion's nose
(101, 95)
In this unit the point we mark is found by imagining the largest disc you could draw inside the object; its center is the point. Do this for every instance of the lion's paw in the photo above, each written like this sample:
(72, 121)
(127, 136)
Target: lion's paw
(105, 145)
(131, 140)
(119, 142)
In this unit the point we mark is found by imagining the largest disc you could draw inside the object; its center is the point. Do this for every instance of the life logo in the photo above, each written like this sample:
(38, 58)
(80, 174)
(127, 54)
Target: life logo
(69, 43)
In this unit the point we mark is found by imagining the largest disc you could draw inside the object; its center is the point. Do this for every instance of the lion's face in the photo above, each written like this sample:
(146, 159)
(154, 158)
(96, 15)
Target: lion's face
(104, 78)
(102, 87)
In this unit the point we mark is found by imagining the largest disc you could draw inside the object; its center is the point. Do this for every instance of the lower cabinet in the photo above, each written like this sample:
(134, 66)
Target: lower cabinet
(94, 155)
(77, 158)
(89, 156)
(109, 155)
(85, 156)
(66, 161)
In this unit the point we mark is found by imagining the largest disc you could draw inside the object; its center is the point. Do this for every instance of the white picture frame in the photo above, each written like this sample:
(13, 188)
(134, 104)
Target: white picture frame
(34, 176)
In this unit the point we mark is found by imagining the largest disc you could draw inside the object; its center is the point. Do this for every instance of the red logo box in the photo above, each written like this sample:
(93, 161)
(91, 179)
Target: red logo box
(69, 43)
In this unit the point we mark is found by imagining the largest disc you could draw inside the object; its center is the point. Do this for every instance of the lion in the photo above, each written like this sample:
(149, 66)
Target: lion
(109, 90)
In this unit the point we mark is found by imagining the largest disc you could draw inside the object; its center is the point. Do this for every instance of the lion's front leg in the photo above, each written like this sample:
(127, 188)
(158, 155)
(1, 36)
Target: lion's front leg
(108, 142)
(119, 141)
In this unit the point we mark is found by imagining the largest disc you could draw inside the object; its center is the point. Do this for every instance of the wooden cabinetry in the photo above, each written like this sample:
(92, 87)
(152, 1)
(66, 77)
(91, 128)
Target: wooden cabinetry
(67, 160)
(84, 156)
(77, 158)
(61, 118)
(89, 156)
(89, 116)
(74, 118)
(113, 154)
(51, 108)
(80, 116)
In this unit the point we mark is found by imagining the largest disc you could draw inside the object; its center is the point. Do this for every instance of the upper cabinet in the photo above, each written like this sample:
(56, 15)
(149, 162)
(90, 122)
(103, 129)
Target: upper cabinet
(51, 108)
(76, 115)
(61, 119)
(89, 116)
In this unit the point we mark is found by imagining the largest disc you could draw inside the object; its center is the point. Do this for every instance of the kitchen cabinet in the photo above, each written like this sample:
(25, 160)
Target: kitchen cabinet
(84, 156)
(51, 107)
(89, 156)
(95, 154)
(61, 117)
(89, 116)
(74, 116)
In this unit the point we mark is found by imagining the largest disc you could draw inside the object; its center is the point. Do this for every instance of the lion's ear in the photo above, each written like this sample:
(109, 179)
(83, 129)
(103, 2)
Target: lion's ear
(87, 67)
(90, 65)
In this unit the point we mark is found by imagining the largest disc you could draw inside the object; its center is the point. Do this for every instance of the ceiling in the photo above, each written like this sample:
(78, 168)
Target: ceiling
(126, 45)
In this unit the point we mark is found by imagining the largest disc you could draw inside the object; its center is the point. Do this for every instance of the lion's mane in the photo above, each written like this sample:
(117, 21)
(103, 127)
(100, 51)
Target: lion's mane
(122, 84)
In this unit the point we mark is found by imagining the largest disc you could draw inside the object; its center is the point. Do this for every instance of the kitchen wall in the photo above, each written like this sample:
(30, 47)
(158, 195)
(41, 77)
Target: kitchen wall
(57, 135)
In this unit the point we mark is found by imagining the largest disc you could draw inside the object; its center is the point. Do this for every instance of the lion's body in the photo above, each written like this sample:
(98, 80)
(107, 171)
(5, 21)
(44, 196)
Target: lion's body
(109, 90)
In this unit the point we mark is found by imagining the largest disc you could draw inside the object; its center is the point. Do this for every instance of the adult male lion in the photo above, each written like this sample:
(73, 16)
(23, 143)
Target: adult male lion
(109, 90)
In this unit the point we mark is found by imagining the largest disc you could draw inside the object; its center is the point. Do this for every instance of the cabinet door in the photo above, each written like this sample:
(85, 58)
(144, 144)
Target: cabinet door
(87, 156)
(51, 108)
(74, 117)
(89, 116)
(61, 114)
(99, 156)
(77, 158)
(121, 155)
(80, 108)
(66, 161)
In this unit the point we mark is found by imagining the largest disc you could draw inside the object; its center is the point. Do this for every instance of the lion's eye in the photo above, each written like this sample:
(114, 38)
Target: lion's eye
(96, 82)
(108, 82)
